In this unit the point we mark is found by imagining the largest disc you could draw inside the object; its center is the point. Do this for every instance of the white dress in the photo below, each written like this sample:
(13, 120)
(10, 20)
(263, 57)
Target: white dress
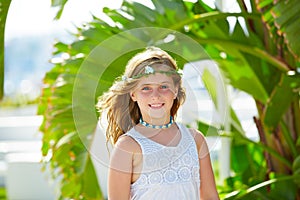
(168, 173)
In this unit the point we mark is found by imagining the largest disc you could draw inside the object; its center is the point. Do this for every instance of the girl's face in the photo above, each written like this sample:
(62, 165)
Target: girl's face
(154, 95)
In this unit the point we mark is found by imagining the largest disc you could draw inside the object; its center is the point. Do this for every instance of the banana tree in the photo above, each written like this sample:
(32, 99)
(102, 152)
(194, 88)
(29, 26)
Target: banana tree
(263, 62)
(266, 66)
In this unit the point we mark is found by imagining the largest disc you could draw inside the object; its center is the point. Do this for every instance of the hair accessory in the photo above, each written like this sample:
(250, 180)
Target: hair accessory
(149, 70)
(142, 122)
(124, 78)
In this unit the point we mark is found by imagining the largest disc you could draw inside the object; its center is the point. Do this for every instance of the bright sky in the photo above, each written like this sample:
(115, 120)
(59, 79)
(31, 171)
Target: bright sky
(36, 18)
(29, 17)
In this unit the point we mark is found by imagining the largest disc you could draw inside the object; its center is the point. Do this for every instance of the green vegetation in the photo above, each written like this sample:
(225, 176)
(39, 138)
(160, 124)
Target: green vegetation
(2, 194)
(4, 6)
(17, 101)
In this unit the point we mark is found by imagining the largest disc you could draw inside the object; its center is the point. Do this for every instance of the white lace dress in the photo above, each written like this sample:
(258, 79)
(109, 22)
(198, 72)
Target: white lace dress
(168, 173)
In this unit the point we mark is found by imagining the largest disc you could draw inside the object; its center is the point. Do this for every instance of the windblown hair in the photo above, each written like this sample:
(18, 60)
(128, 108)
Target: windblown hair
(122, 112)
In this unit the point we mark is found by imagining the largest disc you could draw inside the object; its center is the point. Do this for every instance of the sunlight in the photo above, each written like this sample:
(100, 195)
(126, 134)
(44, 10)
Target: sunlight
(25, 19)
(30, 33)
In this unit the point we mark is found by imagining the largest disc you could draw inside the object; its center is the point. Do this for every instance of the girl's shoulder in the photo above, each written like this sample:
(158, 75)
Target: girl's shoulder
(200, 142)
(127, 143)
(198, 136)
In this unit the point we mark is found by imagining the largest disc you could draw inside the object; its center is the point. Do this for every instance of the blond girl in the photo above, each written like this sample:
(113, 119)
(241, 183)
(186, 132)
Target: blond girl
(154, 156)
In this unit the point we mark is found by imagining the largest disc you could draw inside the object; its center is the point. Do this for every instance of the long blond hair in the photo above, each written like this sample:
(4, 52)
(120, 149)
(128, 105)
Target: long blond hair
(121, 117)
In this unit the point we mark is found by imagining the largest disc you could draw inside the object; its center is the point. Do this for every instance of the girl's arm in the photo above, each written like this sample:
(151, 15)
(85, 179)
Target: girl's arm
(208, 189)
(120, 169)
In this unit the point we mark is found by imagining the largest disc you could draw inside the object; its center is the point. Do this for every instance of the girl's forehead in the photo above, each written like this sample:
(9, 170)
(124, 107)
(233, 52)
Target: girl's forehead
(156, 78)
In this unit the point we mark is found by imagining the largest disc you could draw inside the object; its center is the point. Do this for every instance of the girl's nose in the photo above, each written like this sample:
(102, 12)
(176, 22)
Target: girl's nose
(155, 93)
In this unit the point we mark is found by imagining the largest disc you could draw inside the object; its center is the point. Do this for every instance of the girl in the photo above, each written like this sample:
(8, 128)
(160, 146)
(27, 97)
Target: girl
(154, 157)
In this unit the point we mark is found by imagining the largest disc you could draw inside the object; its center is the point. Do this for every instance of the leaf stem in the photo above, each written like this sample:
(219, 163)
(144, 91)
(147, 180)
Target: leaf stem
(212, 16)
(255, 51)
(288, 138)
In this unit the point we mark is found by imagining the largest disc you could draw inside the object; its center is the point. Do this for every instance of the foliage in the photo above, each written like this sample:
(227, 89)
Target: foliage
(261, 60)
(2, 193)
(17, 101)
(4, 6)
(257, 60)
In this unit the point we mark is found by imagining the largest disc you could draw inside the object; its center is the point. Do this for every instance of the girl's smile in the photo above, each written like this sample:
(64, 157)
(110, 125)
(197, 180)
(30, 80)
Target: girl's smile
(156, 106)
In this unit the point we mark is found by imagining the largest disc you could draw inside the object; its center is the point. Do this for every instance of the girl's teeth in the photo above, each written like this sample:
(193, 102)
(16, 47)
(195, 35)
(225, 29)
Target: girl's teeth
(156, 105)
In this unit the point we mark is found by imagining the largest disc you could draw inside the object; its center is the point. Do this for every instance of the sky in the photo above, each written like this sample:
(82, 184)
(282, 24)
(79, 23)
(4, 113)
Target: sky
(30, 17)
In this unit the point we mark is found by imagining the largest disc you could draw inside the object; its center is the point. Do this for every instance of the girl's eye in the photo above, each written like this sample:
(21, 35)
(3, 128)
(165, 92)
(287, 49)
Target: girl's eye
(146, 88)
(164, 87)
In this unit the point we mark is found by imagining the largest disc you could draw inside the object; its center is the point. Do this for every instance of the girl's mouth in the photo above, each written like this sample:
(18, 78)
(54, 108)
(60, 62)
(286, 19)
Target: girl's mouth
(156, 105)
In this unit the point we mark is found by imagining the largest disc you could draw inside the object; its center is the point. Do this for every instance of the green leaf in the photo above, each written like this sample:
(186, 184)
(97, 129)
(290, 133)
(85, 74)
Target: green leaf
(89, 179)
(143, 14)
(236, 125)
(207, 129)
(4, 7)
(61, 5)
(298, 141)
(281, 98)
(242, 76)
(287, 21)
(296, 170)
(296, 164)
(167, 7)
(66, 139)
(72, 187)
(61, 47)
(210, 83)
(244, 193)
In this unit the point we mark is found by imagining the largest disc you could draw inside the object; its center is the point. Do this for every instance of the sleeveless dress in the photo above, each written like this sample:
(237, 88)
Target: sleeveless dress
(168, 173)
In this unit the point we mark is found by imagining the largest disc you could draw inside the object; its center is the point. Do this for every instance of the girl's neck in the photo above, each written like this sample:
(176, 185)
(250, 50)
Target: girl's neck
(157, 125)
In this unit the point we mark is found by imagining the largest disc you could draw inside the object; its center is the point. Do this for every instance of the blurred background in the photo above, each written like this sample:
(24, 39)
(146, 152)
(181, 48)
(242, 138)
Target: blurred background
(30, 34)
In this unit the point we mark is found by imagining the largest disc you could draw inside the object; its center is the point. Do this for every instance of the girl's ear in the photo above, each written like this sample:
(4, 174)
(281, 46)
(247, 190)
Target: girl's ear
(176, 92)
(175, 95)
(132, 96)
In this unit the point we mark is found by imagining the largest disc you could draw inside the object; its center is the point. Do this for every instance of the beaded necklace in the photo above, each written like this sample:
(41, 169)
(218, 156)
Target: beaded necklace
(142, 122)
